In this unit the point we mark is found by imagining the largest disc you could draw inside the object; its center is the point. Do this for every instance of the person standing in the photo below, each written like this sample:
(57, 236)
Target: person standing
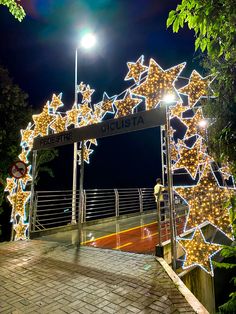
(158, 193)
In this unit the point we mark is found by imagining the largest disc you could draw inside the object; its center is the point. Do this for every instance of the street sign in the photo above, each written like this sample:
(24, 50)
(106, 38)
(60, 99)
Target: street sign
(134, 122)
(18, 169)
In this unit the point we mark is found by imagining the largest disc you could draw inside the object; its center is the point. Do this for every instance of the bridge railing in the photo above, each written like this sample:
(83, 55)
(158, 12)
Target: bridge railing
(54, 208)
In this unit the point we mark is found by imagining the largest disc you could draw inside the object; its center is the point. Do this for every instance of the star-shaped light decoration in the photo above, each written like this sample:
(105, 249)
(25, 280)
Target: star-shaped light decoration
(11, 185)
(19, 200)
(81, 87)
(177, 110)
(191, 158)
(27, 177)
(87, 93)
(199, 252)
(225, 171)
(84, 110)
(23, 155)
(42, 121)
(56, 102)
(87, 153)
(206, 202)
(20, 230)
(174, 153)
(107, 103)
(98, 111)
(193, 126)
(198, 87)
(92, 141)
(158, 84)
(59, 124)
(72, 116)
(136, 69)
(126, 105)
(27, 135)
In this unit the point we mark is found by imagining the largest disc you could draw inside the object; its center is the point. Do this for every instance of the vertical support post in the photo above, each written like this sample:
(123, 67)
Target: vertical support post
(81, 192)
(74, 187)
(170, 191)
(159, 223)
(32, 207)
(13, 212)
(162, 155)
(117, 202)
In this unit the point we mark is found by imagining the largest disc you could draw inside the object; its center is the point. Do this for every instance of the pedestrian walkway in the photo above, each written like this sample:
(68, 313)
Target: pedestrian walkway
(47, 277)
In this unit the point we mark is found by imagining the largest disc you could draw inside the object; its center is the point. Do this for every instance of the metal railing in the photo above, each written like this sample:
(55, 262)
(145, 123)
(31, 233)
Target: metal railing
(54, 208)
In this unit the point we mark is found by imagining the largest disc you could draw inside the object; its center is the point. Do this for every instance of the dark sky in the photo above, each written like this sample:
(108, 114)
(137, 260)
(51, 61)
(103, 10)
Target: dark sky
(39, 53)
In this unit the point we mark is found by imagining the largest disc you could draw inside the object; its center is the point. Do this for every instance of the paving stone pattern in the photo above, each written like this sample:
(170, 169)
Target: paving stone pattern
(46, 277)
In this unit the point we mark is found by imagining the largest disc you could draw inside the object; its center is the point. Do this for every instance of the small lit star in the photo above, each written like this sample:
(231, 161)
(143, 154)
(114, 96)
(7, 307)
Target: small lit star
(136, 69)
(11, 185)
(27, 135)
(56, 102)
(20, 230)
(192, 124)
(107, 103)
(81, 87)
(59, 124)
(72, 116)
(197, 88)
(18, 200)
(87, 152)
(23, 155)
(177, 110)
(87, 93)
(27, 177)
(126, 105)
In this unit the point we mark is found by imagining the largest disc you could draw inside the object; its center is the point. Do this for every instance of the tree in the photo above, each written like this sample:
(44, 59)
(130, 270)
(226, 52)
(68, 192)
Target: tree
(14, 8)
(15, 113)
(214, 27)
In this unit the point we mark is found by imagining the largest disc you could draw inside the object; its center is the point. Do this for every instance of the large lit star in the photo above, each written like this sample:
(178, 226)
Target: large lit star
(107, 103)
(191, 158)
(193, 126)
(199, 251)
(87, 93)
(158, 84)
(197, 88)
(42, 121)
(18, 201)
(126, 105)
(206, 202)
(136, 69)
(56, 102)
(59, 124)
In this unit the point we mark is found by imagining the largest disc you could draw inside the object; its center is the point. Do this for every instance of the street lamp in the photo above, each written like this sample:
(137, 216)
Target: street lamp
(168, 99)
(87, 41)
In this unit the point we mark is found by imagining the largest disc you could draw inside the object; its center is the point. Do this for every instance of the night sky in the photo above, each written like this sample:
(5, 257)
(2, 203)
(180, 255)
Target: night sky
(39, 53)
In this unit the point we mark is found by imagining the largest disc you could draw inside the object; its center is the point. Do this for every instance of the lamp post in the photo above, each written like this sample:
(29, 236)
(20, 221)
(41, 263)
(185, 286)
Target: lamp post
(170, 99)
(87, 42)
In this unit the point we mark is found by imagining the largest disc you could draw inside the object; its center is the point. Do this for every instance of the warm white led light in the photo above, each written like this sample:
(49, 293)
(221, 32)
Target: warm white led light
(88, 41)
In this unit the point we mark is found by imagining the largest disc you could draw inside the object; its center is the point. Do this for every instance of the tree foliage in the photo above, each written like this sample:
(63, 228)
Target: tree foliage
(14, 8)
(213, 23)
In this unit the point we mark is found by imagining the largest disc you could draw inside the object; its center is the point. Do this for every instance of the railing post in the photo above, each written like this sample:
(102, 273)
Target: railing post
(84, 207)
(117, 202)
(35, 203)
(140, 200)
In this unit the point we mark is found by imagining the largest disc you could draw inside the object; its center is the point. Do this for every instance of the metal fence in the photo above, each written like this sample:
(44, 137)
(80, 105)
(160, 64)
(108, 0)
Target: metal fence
(54, 208)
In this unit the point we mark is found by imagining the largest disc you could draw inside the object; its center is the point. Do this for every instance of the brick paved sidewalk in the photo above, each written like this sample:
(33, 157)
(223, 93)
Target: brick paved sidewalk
(46, 277)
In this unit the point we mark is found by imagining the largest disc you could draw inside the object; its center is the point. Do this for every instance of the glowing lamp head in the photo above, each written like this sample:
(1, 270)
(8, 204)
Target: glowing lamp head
(169, 98)
(203, 123)
(88, 41)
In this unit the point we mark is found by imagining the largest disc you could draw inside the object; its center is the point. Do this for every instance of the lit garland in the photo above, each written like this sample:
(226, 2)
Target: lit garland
(136, 69)
(199, 252)
(158, 84)
(197, 88)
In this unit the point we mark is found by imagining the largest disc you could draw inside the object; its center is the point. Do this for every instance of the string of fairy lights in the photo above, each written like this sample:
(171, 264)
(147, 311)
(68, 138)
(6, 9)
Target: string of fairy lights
(206, 198)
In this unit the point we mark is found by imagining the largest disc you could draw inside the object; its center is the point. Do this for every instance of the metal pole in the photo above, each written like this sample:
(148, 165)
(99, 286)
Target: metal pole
(170, 191)
(162, 156)
(32, 207)
(74, 188)
(81, 190)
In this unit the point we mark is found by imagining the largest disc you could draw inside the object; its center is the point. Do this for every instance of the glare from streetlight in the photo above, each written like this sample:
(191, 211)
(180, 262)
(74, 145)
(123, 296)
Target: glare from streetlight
(203, 123)
(169, 98)
(88, 41)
